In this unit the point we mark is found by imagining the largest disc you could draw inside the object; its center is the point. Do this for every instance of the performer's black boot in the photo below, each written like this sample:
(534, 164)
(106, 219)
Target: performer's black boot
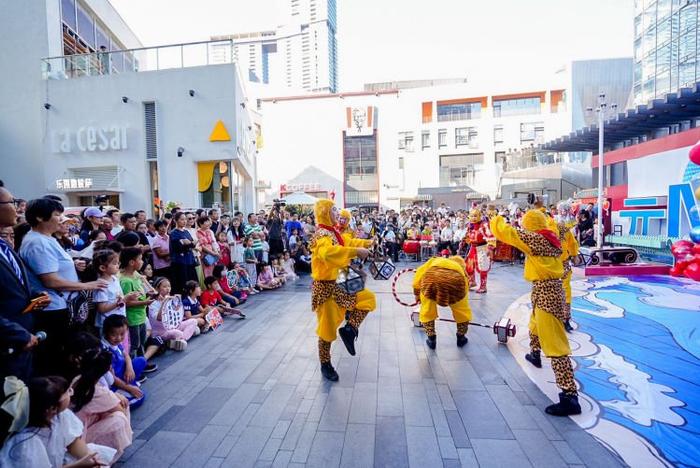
(348, 334)
(329, 372)
(568, 327)
(461, 340)
(431, 341)
(534, 358)
(568, 404)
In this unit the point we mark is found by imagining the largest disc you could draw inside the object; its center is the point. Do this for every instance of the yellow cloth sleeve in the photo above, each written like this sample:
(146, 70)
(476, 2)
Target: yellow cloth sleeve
(508, 234)
(352, 242)
(570, 244)
(337, 256)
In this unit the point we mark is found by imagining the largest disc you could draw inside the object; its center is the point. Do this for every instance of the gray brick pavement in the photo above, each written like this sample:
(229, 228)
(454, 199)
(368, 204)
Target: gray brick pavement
(251, 395)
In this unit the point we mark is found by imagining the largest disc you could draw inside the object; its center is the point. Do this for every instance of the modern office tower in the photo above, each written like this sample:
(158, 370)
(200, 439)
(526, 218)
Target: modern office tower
(665, 47)
(300, 54)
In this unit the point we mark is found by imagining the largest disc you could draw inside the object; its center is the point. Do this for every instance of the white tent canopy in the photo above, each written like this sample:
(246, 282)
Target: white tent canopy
(300, 198)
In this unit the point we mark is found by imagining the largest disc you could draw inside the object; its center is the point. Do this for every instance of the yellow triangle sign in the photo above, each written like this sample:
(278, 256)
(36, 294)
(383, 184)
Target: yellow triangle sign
(219, 133)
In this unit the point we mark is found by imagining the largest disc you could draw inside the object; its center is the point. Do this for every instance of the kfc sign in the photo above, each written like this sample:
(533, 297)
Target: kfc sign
(312, 187)
(360, 120)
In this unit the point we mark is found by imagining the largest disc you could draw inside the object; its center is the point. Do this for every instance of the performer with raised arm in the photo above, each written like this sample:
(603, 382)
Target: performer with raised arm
(442, 281)
(479, 254)
(543, 267)
(330, 253)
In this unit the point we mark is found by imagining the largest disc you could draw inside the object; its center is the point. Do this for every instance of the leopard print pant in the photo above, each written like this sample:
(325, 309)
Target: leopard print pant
(324, 351)
(321, 291)
(429, 328)
(535, 343)
(564, 374)
(548, 295)
(567, 311)
(462, 328)
(356, 318)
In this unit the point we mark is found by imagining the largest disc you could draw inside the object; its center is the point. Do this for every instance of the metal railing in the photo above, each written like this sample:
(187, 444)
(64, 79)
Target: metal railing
(190, 54)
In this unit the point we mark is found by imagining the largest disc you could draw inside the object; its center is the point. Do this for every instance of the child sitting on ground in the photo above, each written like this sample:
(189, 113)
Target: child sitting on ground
(228, 291)
(278, 271)
(243, 282)
(104, 414)
(266, 279)
(53, 433)
(212, 298)
(193, 308)
(288, 265)
(175, 330)
(126, 372)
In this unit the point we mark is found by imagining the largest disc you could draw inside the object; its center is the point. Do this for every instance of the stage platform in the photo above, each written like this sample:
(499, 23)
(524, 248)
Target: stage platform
(631, 269)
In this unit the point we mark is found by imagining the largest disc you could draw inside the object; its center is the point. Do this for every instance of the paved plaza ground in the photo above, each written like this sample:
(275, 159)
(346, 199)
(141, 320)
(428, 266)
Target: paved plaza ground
(251, 394)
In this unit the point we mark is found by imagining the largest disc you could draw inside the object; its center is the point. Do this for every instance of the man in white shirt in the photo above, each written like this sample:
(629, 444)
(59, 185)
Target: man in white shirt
(114, 215)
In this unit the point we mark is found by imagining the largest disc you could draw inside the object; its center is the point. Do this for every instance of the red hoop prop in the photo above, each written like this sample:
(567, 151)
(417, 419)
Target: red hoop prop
(393, 288)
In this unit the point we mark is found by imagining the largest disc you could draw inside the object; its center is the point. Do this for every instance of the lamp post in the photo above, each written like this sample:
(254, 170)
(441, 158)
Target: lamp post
(602, 107)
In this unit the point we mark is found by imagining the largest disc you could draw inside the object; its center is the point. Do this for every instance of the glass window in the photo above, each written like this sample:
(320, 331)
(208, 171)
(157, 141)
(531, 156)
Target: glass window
(425, 139)
(648, 67)
(637, 25)
(460, 169)
(638, 52)
(686, 73)
(462, 111)
(500, 157)
(102, 39)
(617, 173)
(649, 40)
(523, 106)
(649, 16)
(663, 32)
(663, 83)
(86, 27)
(400, 162)
(406, 141)
(532, 132)
(663, 8)
(638, 72)
(442, 138)
(68, 13)
(663, 58)
(466, 136)
(686, 46)
(688, 17)
(498, 134)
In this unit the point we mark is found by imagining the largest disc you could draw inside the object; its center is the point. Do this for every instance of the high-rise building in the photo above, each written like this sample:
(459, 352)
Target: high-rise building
(301, 54)
(665, 47)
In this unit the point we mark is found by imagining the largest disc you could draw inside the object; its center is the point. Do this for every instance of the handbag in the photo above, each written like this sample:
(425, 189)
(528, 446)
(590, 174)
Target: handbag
(210, 259)
(80, 306)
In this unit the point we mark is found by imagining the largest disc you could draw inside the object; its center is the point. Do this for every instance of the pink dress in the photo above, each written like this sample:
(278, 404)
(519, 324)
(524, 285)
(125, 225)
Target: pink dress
(104, 426)
(206, 239)
(184, 330)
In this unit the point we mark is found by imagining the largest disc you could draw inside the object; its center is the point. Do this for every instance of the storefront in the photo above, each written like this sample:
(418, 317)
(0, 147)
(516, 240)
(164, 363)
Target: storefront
(152, 139)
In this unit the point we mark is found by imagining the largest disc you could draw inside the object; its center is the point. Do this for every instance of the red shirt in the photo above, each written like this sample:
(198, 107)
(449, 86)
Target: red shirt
(223, 282)
(210, 298)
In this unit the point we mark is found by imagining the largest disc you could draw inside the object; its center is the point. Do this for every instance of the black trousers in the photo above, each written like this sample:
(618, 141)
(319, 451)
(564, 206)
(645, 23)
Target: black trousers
(276, 247)
(48, 355)
(181, 274)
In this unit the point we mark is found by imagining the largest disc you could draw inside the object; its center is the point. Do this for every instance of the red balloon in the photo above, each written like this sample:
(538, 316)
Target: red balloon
(676, 271)
(694, 154)
(681, 248)
(683, 264)
(693, 271)
(696, 249)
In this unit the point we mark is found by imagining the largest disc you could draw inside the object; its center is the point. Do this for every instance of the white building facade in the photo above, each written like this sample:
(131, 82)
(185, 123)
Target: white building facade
(394, 147)
(299, 55)
(129, 123)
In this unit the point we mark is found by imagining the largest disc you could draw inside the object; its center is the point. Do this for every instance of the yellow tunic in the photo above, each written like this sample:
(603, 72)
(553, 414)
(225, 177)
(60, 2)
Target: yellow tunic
(428, 307)
(327, 258)
(545, 325)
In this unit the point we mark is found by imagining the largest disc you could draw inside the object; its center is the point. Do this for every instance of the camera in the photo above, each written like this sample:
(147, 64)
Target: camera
(101, 199)
(277, 203)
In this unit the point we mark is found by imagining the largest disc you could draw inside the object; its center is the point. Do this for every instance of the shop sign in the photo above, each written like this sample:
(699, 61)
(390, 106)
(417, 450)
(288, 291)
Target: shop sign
(312, 187)
(680, 204)
(90, 139)
(67, 184)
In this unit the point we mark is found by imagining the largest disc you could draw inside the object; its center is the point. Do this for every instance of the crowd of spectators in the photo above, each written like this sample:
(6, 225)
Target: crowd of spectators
(88, 303)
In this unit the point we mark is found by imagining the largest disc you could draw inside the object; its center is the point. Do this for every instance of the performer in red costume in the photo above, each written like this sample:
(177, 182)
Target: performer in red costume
(479, 238)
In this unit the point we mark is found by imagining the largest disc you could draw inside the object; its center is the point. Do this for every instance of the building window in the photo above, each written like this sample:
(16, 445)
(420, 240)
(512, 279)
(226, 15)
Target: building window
(532, 133)
(442, 138)
(401, 162)
(425, 139)
(460, 169)
(497, 134)
(466, 136)
(406, 141)
(522, 106)
(360, 164)
(460, 111)
(617, 173)
(500, 157)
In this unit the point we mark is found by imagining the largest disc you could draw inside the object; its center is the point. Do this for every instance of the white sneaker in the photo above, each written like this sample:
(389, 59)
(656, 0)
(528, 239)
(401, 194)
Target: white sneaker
(197, 331)
(177, 345)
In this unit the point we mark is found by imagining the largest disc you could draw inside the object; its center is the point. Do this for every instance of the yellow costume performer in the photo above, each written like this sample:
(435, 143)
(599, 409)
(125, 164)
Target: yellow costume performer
(329, 254)
(442, 281)
(543, 267)
(569, 248)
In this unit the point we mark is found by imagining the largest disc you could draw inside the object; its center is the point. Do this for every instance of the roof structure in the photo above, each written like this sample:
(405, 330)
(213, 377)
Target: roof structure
(634, 123)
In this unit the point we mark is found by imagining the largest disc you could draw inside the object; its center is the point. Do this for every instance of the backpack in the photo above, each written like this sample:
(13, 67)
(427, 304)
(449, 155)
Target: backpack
(80, 307)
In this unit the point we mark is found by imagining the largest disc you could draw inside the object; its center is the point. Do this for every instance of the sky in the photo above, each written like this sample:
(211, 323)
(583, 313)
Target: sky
(385, 40)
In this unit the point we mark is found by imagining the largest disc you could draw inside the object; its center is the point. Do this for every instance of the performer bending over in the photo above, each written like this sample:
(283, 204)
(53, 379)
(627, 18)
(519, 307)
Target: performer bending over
(544, 269)
(441, 281)
(330, 253)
